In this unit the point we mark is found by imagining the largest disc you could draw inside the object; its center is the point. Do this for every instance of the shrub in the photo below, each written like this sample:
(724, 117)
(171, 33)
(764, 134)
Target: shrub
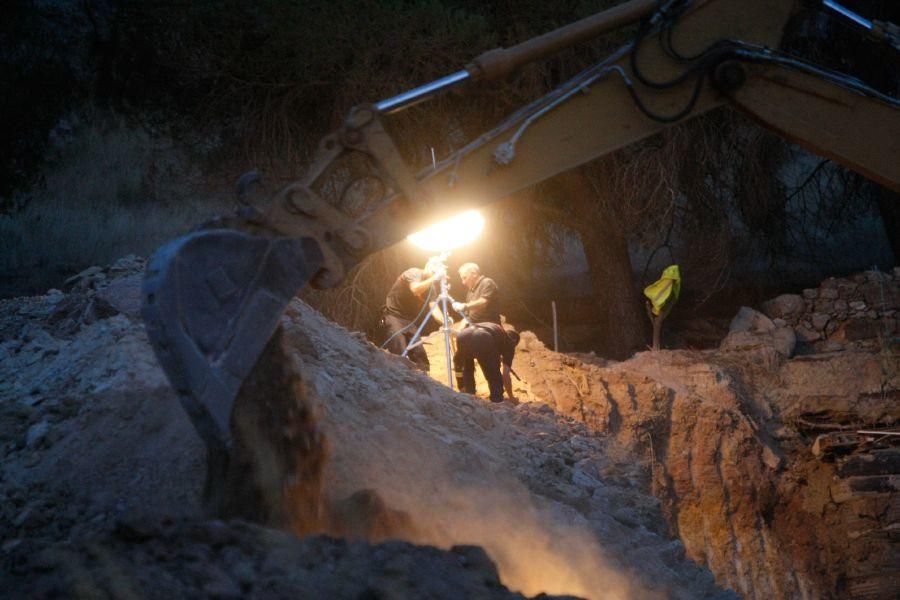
(113, 189)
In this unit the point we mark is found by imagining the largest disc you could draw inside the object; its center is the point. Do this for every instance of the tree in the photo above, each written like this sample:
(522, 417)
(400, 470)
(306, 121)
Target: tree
(620, 315)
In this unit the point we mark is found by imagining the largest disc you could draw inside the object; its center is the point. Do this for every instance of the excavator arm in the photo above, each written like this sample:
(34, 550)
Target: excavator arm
(214, 297)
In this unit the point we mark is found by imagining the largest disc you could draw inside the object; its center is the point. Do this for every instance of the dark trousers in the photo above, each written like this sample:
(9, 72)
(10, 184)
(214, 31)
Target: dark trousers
(399, 342)
(474, 343)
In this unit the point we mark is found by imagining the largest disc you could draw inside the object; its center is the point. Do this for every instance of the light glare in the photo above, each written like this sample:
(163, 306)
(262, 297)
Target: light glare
(451, 233)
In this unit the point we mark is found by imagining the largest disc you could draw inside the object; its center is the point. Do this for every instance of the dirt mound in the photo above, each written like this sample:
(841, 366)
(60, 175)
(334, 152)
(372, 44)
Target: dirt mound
(100, 461)
(213, 559)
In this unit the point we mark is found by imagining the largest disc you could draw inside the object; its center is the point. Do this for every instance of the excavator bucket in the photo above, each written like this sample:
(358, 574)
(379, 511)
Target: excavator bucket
(211, 300)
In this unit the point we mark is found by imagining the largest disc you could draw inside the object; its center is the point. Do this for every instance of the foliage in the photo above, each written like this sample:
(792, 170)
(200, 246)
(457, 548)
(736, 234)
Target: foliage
(271, 78)
(39, 82)
(113, 190)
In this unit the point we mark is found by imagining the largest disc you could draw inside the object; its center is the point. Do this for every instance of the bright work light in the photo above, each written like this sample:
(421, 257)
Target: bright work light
(449, 234)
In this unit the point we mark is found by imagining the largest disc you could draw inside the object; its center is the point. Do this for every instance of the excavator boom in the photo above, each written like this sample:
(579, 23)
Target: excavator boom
(213, 298)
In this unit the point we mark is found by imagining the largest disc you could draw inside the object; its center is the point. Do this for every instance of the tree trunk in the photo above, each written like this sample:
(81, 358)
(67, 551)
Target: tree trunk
(888, 203)
(620, 314)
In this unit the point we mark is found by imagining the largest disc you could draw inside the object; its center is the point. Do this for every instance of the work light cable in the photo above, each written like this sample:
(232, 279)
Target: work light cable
(414, 321)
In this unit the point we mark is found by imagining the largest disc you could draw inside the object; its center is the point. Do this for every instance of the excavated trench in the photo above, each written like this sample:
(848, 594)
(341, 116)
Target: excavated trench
(776, 458)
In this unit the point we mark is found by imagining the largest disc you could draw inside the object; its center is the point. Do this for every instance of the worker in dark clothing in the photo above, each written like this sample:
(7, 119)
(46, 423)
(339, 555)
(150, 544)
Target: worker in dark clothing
(492, 345)
(482, 303)
(403, 311)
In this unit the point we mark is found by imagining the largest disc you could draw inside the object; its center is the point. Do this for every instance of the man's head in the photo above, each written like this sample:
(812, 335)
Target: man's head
(469, 274)
(512, 334)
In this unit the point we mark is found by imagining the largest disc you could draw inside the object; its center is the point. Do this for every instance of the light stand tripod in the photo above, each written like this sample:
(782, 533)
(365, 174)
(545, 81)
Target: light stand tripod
(442, 301)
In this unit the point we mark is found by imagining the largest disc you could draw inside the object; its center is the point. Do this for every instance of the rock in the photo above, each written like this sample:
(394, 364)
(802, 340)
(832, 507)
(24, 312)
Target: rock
(741, 340)
(782, 432)
(626, 516)
(585, 474)
(770, 458)
(857, 305)
(748, 319)
(37, 433)
(84, 280)
(782, 340)
(127, 264)
(845, 287)
(824, 305)
(830, 293)
(819, 321)
(785, 306)
(810, 294)
(98, 308)
(123, 295)
(805, 334)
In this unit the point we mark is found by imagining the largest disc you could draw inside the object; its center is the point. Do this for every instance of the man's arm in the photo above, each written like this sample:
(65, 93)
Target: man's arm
(477, 303)
(507, 354)
(420, 287)
(436, 313)
(486, 290)
(507, 380)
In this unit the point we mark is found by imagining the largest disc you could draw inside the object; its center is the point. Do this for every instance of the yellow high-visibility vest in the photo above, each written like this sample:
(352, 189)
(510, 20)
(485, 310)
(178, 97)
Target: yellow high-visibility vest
(663, 292)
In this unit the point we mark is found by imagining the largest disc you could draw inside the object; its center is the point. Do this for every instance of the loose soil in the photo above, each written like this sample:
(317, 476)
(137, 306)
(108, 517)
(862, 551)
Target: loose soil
(671, 475)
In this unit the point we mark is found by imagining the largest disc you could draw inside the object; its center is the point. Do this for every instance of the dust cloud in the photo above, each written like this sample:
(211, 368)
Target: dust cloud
(455, 495)
(536, 549)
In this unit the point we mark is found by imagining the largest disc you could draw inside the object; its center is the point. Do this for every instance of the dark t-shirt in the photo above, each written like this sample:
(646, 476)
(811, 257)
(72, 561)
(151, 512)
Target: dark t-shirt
(490, 312)
(505, 344)
(400, 301)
